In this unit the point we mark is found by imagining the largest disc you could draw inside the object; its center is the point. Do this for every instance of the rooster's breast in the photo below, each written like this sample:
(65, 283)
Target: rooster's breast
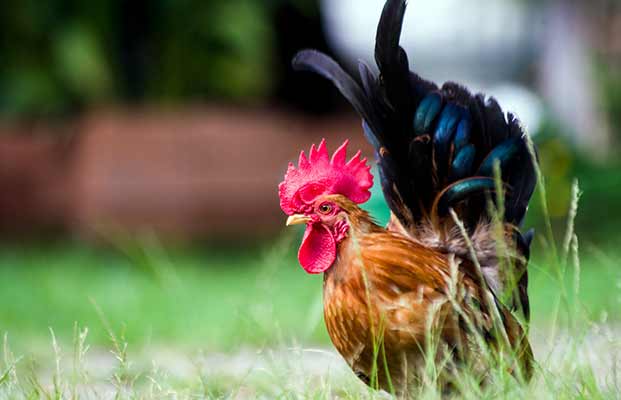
(372, 300)
(360, 314)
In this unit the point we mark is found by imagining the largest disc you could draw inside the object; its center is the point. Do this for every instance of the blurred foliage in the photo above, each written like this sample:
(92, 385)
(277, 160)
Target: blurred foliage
(54, 55)
(600, 183)
(58, 56)
(219, 48)
(609, 76)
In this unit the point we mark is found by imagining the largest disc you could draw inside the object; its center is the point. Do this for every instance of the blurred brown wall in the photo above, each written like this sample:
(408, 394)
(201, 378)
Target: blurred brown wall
(198, 173)
(33, 183)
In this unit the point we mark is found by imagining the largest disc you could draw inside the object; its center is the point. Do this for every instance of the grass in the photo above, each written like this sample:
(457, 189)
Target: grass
(218, 299)
(228, 300)
(215, 298)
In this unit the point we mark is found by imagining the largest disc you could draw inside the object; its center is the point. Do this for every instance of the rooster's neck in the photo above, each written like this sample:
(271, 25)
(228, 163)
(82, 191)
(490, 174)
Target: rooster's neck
(348, 250)
(361, 223)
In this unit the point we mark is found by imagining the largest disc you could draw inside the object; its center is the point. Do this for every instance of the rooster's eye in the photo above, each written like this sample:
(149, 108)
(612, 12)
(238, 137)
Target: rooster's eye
(325, 208)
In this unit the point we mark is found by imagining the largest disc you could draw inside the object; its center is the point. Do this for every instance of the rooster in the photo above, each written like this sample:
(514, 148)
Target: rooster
(446, 279)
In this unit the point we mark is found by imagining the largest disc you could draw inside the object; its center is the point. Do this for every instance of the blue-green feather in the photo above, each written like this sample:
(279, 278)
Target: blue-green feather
(462, 136)
(427, 112)
(444, 134)
(463, 189)
(462, 164)
(504, 152)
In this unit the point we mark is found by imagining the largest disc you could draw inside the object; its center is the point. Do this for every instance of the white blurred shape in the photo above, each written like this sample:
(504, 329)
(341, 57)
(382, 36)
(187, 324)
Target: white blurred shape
(446, 39)
(522, 102)
(567, 78)
(479, 43)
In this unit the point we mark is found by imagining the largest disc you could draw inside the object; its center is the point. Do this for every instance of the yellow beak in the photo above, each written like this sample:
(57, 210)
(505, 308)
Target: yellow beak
(297, 219)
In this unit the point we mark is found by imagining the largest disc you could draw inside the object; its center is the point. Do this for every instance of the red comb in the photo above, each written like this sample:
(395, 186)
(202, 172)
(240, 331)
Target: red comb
(318, 174)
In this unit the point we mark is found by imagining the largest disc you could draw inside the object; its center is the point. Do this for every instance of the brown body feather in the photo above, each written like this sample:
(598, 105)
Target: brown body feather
(387, 297)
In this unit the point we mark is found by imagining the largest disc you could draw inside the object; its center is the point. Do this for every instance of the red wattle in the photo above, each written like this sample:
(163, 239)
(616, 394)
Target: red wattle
(318, 250)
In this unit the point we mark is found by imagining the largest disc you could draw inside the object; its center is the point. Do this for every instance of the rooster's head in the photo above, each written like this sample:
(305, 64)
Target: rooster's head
(307, 196)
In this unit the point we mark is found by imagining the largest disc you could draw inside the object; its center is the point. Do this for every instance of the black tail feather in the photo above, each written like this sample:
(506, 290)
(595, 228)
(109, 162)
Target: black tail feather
(368, 78)
(429, 141)
(389, 34)
(315, 61)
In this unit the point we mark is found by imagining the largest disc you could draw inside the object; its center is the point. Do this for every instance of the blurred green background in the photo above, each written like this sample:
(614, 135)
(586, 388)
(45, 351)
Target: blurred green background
(63, 56)
(88, 187)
